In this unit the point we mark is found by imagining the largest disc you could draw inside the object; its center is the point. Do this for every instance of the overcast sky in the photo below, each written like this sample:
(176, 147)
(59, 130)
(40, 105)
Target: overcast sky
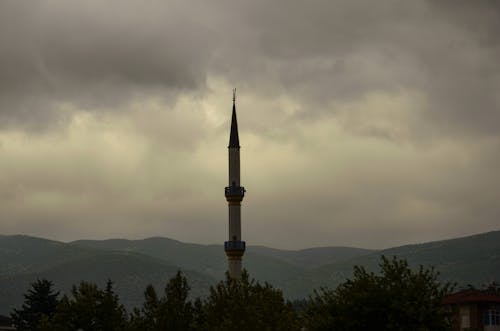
(362, 123)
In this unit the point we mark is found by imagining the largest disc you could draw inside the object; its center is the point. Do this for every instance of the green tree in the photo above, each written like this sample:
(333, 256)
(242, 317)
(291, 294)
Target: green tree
(39, 303)
(111, 314)
(146, 318)
(173, 311)
(493, 287)
(246, 305)
(89, 308)
(399, 298)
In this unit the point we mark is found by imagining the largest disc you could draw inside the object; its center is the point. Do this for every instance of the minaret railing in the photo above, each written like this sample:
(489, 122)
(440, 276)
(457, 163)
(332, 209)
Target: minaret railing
(234, 245)
(234, 191)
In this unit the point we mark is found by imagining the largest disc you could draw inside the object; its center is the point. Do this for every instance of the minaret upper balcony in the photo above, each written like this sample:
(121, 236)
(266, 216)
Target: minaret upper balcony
(234, 192)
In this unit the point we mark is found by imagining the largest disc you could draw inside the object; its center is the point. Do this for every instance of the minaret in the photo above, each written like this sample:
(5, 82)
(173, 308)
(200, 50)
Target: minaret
(234, 247)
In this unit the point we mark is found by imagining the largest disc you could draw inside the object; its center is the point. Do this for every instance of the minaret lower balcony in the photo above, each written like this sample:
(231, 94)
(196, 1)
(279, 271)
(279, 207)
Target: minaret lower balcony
(234, 248)
(233, 245)
(234, 193)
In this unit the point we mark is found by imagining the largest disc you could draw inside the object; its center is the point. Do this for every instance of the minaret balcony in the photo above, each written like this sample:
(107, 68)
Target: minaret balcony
(234, 245)
(237, 192)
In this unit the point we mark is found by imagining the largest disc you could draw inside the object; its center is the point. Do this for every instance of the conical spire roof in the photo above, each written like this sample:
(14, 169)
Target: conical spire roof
(234, 140)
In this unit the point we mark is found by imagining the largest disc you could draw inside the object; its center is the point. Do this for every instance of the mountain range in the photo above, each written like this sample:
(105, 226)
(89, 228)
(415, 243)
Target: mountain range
(133, 264)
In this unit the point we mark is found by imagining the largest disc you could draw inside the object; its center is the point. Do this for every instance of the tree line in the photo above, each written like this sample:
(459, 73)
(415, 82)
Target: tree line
(396, 298)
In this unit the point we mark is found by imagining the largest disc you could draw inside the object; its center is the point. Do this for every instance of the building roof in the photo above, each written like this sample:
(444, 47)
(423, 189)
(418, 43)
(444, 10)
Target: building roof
(234, 140)
(471, 296)
(6, 323)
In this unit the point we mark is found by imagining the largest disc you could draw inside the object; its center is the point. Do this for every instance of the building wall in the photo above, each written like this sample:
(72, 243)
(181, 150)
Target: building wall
(472, 316)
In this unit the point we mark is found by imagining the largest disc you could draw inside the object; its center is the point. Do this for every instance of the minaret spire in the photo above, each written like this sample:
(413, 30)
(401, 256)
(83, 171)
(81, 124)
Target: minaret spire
(234, 140)
(234, 247)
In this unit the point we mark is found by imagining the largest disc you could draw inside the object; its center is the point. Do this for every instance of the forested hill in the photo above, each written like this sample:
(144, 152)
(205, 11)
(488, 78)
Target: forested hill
(473, 260)
(132, 264)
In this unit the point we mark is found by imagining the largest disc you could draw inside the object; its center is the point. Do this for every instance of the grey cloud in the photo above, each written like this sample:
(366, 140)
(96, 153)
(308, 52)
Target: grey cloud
(303, 67)
(318, 53)
(95, 54)
(373, 200)
(332, 52)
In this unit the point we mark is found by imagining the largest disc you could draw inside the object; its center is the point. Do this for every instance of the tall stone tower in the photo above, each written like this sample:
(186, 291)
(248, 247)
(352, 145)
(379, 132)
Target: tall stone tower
(234, 247)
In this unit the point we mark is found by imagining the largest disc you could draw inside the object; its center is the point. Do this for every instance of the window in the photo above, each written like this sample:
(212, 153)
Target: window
(464, 317)
(465, 322)
(492, 316)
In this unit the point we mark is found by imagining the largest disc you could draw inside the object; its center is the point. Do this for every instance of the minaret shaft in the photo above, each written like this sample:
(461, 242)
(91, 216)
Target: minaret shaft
(235, 222)
(234, 268)
(234, 166)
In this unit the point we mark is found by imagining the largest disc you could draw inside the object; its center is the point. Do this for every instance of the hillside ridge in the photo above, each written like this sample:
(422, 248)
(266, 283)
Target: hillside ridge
(132, 264)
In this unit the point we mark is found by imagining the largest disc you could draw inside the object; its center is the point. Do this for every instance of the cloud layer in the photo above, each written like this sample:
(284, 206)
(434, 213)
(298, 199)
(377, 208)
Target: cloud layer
(361, 124)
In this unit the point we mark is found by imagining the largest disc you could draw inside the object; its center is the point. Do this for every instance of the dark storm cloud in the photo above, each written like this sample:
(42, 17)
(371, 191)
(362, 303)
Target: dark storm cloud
(94, 53)
(317, 52)
(329, 52)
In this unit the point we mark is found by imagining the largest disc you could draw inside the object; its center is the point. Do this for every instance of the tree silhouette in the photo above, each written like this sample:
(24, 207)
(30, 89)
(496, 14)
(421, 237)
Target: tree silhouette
(247, 305)
(39, 303)
(397, 299)
(89, 308)
(173, 311)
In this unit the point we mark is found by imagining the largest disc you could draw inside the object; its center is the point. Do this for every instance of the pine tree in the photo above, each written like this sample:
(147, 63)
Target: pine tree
(173, 311)
(89, 308)
(176, 312)
(39, 303)
(146, 318)
(111, 314)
